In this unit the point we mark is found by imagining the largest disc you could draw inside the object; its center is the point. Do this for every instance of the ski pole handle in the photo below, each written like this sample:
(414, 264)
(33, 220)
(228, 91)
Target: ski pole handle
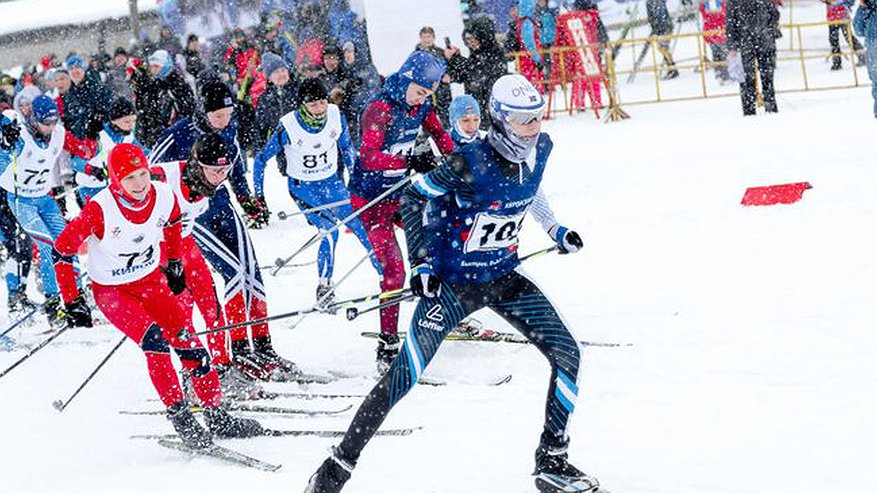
(353, 312)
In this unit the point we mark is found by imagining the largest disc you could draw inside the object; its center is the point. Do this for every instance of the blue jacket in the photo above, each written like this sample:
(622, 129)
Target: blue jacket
(865, 20)
(176, 143)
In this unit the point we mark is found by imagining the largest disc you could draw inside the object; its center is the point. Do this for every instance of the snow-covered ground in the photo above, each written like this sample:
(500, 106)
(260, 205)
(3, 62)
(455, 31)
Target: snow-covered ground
(752, 362)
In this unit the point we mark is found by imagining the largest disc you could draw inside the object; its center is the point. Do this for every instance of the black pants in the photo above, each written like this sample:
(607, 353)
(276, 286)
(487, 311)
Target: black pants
(516, 299)
(766, 57)
(833, 31)
(17, 243)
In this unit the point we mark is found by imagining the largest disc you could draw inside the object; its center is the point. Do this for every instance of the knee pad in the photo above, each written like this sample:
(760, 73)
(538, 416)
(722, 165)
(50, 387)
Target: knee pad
(195, 356)
(154, 342)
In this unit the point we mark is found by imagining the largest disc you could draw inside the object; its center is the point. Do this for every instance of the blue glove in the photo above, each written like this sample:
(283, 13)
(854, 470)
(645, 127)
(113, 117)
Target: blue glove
(567, 240)
(424, 282)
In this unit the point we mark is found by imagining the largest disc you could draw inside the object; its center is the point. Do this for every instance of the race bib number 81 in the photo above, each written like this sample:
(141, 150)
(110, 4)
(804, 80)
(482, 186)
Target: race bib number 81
(492, 232)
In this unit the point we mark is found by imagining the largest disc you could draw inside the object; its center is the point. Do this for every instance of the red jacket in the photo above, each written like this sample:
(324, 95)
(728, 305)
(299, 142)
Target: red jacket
(836, 10)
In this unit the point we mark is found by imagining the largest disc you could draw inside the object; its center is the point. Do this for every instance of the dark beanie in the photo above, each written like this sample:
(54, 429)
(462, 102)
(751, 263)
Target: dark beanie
(312, 90)
(121, 107)
(216, 96)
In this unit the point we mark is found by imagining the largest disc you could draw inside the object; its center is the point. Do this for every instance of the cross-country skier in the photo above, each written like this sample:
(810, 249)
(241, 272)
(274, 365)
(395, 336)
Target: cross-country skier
(124, 225)
(17, 244)
(91, 174)
(193, 182)
(465, 116)
(28, 154)
(314, 138)
(465, 258)
(223, 237)
(390, 125)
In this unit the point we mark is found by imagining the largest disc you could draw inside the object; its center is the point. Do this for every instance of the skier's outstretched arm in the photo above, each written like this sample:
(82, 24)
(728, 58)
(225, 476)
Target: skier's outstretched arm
(273, 147)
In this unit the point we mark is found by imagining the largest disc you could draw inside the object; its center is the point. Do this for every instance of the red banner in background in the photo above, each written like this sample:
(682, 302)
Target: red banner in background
(582, 66)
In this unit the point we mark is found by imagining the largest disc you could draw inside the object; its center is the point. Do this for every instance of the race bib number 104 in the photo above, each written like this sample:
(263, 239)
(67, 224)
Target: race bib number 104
(492, 232)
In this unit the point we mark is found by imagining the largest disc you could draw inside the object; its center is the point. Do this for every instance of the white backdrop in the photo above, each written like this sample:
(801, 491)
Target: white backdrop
(393, 27)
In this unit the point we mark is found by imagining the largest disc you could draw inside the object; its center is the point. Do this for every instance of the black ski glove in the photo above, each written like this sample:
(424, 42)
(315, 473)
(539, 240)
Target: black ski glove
(94, 126)
(96, 171)
(9, 133)
(79, 313)
(424, 282)
(176, 278)
(568, 241)
(421, 163)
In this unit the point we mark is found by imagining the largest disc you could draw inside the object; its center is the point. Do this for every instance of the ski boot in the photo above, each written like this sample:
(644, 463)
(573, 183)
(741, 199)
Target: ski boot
(671, 74)
(55, 313)
(554, 474)
(252, 365)
(388, 349)
(224, 425)
(332, 474)
(470, 327)
(325, 293)
(190, 431)
(836, 63)
(6, 343)
(237, 386)
(18, 302)
(285, 370)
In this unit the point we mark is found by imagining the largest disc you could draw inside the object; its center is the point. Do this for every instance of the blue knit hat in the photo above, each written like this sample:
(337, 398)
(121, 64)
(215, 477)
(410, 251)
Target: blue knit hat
(44, 108)
(461, 106)
(271, 63)
(423, 69)
(75, 60)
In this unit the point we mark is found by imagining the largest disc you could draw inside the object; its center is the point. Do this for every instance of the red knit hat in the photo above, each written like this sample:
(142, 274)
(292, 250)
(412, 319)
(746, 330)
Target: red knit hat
(123, 160)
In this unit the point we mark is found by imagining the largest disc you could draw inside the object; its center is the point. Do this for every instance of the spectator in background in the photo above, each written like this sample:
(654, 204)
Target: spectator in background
(662, 25)
(242, 59)
(7, 91)
(713, 13)
(60, 78)
(272, 40)
(24, 99)
(442, 95)
(865, 24)
(602, 34)
(839, 11)
(512, 44)
(117, 75)
(337, 80)
(751, 27)
(365, 73)
(192, 56)
(87, 99)
(162, 95)
(546, 16)
(530, 65)
(171, 17)
(486, 62)
(279, 99)
(168, 42)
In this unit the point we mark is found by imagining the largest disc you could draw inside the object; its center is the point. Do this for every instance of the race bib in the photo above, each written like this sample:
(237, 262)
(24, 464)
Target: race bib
(492, 232)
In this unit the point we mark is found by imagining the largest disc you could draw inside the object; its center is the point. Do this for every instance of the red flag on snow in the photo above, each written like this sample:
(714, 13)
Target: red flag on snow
(788, 193)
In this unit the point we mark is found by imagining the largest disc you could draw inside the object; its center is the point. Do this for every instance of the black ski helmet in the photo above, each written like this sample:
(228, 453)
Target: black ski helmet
(209, 150)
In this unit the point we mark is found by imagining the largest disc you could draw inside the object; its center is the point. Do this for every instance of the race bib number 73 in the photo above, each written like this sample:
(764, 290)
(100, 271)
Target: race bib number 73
(492, 232)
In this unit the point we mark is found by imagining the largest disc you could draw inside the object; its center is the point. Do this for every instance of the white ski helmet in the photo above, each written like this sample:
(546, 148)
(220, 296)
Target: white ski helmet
(513, 100)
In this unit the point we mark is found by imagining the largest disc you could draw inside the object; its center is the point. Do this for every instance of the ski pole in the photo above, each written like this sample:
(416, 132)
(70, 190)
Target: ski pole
(282, 215)
(290, 266)
(34, 350)
(353, 312)
(281, 262)
(401, 295)
(372, 297)
(33, 311)
(186, 336)
(60, 406)
(331, 291)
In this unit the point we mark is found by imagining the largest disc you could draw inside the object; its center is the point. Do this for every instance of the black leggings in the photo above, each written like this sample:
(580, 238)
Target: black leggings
(17, 243)
(519, 302)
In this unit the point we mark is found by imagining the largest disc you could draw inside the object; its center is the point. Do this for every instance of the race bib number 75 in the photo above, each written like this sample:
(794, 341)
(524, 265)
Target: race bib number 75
(492, 232)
